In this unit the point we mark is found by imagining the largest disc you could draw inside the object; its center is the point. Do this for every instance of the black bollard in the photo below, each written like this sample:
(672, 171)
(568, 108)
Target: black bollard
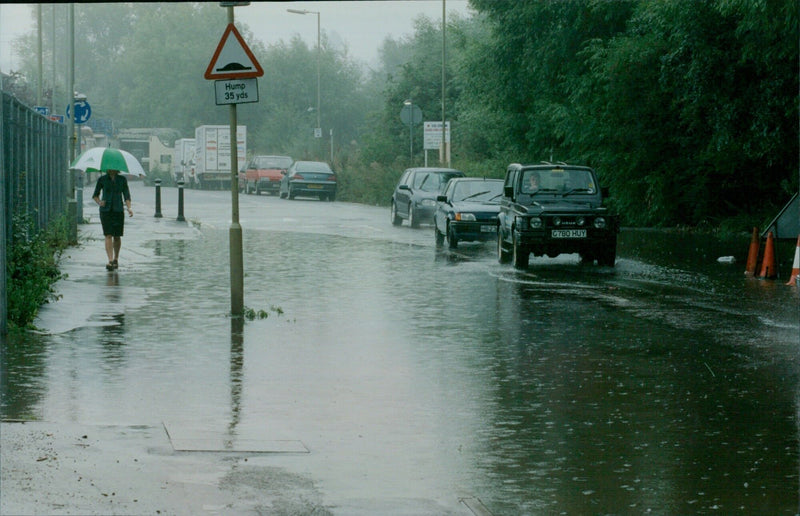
(158, 199)
(180, 202)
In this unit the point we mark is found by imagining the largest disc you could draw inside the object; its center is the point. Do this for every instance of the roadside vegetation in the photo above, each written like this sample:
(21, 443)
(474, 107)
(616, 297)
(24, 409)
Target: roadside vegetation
(32, 268)
(686, 108)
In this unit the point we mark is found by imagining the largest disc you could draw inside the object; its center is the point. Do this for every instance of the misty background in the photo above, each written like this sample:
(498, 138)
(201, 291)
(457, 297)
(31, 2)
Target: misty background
(688, 110)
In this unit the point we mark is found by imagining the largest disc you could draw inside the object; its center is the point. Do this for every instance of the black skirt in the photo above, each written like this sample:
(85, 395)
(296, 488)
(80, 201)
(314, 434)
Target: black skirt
(113, 223)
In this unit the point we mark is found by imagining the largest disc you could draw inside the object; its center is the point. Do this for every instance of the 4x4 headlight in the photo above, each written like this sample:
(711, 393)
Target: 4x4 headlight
(600, 222)
(466, 217)
(427, 202)
(525, 223)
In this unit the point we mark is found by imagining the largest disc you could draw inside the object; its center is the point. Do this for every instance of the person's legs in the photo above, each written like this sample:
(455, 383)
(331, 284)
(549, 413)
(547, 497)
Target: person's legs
(110, 247)
(117, 247)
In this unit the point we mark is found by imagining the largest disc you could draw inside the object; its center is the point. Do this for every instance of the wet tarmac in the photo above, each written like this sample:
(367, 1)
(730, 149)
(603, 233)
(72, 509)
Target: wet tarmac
(379, 376)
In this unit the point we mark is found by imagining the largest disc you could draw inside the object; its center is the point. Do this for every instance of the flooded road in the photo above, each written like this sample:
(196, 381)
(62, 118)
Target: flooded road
(392, 371)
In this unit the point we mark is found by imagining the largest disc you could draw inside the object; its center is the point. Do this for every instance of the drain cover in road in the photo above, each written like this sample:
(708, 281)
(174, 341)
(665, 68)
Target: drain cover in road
(185, 437)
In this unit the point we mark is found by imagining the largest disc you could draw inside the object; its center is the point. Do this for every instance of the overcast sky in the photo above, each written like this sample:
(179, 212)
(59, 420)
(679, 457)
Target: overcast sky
(361, 25)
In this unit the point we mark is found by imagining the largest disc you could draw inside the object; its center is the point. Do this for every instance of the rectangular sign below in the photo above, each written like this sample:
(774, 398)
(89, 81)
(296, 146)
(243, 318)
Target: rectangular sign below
(432, 135)
(236, 91)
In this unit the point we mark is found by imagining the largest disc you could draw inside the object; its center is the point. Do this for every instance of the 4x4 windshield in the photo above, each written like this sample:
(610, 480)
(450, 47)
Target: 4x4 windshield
(557, 180)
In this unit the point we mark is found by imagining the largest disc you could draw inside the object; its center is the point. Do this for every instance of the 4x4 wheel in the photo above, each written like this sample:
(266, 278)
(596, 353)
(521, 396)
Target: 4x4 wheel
(607, 255)
(520, 254)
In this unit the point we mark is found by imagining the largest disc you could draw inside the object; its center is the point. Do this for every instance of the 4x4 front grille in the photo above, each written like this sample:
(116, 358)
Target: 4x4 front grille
(566, 221)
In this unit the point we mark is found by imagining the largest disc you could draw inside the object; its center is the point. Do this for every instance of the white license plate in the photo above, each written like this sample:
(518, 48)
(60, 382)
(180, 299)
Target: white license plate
(488, 229)
(315, 187)
(568, 233)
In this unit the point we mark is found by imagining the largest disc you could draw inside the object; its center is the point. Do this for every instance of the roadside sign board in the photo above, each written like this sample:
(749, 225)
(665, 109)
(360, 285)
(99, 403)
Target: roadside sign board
(411, 115)
(236, 91)
(83, 112)
(42, 110)
(233, 59)
(432, 132)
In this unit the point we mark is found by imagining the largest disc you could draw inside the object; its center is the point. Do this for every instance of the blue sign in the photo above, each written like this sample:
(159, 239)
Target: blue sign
(83, 111)
(101, 125)
(42, 110)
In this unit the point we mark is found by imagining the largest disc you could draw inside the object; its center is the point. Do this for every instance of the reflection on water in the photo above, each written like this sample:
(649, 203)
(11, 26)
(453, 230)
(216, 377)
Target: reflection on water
(23, 366)
(602, 415)
(112, 328)
(237, 364)
(659, 385)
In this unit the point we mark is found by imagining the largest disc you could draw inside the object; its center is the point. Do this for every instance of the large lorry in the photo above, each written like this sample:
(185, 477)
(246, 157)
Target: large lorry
(212, 150)
(183, 165)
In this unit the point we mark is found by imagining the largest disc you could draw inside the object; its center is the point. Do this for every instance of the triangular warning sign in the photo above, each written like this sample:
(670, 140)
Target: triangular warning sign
(233, 58)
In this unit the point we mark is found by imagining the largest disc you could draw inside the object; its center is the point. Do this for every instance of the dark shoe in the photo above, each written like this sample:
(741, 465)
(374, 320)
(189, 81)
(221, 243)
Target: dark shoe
(115, 264)
(109, 266)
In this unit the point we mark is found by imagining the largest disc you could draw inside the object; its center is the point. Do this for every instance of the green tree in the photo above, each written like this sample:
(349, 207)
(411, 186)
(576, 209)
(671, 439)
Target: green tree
(689, 116)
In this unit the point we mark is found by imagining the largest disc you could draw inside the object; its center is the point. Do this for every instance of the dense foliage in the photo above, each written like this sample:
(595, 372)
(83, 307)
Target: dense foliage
(687, 108)
(32, 267)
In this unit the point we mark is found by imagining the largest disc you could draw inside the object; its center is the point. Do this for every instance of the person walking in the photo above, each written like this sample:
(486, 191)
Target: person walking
(116, 196)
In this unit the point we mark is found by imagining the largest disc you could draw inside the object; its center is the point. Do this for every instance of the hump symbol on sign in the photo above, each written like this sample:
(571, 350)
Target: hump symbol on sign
(233, 66)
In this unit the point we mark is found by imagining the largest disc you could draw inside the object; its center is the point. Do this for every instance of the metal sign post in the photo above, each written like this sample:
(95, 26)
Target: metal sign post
(410, 115)
(234, 60)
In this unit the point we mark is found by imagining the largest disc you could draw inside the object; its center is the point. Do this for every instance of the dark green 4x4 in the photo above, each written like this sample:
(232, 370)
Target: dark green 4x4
(551, 209)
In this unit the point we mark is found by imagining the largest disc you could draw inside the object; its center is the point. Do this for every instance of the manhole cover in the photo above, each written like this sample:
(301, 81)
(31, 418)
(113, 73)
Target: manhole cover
(185, 437)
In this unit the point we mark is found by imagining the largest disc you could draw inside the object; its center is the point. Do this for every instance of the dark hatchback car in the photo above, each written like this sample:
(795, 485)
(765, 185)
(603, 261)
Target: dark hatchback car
(309, 179)
(467, 211)
(414, 197)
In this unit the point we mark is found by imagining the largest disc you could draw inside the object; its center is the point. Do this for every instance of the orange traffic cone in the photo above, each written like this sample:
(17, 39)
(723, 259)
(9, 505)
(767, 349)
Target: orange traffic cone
(769, 269)
(752, 256)
(796, 265)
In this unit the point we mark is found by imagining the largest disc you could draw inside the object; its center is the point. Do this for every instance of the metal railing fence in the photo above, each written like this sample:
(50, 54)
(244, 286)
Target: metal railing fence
(34, 178)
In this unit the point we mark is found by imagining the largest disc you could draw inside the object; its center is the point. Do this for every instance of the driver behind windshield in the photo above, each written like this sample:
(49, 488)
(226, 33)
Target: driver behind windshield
(533, 183)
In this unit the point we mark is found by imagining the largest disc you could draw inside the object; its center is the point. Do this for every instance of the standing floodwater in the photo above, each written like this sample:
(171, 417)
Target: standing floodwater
(666, 384)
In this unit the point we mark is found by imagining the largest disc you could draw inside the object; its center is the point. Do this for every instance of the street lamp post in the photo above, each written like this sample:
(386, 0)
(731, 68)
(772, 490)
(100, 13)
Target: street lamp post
(303, 11)
(410, 105)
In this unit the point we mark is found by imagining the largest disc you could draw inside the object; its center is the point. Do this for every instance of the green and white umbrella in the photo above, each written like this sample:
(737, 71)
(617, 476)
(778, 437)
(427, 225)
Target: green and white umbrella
(100, 159)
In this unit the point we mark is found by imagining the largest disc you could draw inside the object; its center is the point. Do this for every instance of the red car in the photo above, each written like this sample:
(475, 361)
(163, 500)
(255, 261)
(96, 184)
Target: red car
(264, 174)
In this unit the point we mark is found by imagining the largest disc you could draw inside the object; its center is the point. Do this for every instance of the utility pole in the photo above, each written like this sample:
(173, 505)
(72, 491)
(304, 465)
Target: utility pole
(40, 77)
(443, 147)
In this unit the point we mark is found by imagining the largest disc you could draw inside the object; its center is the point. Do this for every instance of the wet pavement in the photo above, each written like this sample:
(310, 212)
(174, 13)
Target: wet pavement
(380, 376)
